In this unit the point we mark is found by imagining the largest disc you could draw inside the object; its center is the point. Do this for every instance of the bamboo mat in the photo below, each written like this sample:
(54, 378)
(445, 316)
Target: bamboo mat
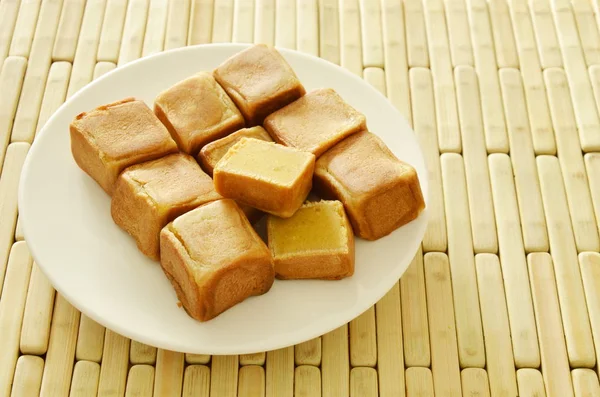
(504, 297)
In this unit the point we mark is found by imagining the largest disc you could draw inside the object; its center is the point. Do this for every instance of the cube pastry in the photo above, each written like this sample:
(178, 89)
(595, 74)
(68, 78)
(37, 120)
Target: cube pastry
(380, 192)
(260, 81)
(315, 122)
(114, 136)
(265, 175)
(214, 259)
(213, 152)
(147, 196)
(197, 111)
(316, 243)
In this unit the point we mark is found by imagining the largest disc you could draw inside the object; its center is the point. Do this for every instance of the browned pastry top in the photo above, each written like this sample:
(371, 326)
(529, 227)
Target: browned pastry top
(214, 234)
(258, 73)
(363, 163)
(123, 128)
(172, 180)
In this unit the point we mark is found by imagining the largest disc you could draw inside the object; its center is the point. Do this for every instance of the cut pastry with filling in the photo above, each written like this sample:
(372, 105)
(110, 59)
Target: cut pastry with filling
(317, 242)
(213, 152)
(265, 175)
(214, 259)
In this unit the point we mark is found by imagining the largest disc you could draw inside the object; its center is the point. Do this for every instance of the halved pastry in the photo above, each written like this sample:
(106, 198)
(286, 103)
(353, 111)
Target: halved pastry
(147, 196)
(213, 152)
(214, 259)
(317, 242)
(265, 175)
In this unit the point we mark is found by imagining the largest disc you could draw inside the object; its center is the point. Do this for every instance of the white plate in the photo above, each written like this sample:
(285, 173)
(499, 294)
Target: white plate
(97, 267)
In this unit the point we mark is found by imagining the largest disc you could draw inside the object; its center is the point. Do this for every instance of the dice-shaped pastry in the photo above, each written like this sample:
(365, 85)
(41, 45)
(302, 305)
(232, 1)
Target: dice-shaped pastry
(315, 122)
(214, 259)
(265, 175)
(149, 195)
(197, 111)
(112, 137)
(380, 193)
(316, 243)
(213, 152)
(260, 81)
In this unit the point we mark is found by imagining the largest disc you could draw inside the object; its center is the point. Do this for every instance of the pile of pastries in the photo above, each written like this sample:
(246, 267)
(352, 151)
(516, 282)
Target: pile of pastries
(189, 179)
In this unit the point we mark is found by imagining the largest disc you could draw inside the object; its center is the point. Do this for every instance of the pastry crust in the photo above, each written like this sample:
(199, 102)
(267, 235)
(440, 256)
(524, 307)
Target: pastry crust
(197, 111)
(147, 196)
(315, 122)
(214, 259)
(316, 243)
(117, 135)
(380, 192)
(265, 175)
(260, 81)
(213, 152)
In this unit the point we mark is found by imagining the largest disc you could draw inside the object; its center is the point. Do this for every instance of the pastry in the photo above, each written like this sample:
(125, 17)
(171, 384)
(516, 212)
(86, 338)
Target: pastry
(197, 111)
(315, 122)
(213, 152)
(265, 175)
(316, 243)
(380, 193)
(214, 259)
(112, 137)
(260, 81)
(149, 195)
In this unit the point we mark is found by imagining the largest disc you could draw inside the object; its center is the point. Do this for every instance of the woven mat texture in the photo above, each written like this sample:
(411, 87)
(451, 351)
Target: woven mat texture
(502, 300)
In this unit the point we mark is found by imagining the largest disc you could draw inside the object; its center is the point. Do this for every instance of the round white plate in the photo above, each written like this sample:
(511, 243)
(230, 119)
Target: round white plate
(96, 266)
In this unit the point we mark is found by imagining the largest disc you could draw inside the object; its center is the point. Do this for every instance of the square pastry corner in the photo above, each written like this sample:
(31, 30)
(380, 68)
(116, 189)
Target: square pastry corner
(215, 259)
(114, 136)
(197, 111)
(149, 195)
(260, 81)
(380, 192)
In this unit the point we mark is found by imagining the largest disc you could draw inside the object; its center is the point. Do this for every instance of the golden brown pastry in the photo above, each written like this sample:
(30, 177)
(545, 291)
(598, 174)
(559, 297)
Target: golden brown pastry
(197, 111)
(315, 122)
(214, 259)
(147, 196)
(316, 243)
(270, 177)
(260, 81)
(213, 152)
(380, 192)
(112, 137)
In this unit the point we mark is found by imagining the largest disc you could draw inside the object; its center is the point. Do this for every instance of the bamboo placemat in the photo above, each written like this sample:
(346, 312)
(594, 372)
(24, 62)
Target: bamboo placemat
(503, 299)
